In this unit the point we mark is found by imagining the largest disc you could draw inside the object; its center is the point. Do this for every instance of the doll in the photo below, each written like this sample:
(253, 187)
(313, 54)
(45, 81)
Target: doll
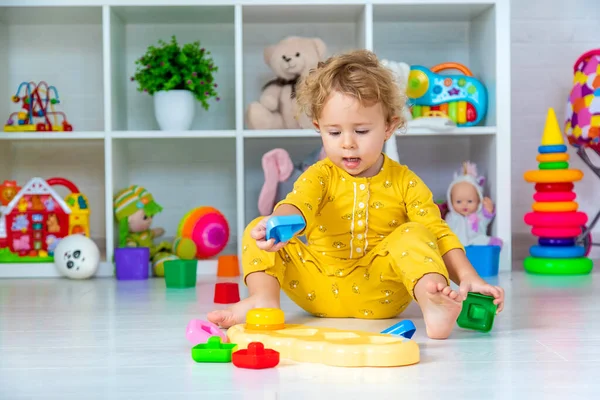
(134, 210)
(469, 212)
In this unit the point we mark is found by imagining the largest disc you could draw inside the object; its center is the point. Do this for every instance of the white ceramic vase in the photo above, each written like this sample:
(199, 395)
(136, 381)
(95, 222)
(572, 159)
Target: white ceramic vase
(174, 109)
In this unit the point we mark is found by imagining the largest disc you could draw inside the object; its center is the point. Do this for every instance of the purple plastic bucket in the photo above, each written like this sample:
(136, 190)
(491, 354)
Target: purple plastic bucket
(131, 263)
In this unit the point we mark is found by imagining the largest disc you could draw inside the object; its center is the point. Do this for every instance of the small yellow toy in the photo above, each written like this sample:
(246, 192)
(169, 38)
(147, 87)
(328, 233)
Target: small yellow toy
(322, 345)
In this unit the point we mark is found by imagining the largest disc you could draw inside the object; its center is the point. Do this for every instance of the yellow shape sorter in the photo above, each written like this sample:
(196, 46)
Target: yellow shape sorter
(330, 346)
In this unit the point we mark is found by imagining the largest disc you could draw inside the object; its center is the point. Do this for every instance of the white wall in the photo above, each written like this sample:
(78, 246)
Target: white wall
(547, 38)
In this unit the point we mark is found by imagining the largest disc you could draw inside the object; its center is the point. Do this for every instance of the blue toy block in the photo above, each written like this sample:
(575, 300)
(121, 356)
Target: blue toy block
(404, 328)
(283, 228)
(484, 258)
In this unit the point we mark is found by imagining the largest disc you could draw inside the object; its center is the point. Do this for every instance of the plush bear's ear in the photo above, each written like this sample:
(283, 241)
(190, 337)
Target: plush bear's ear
(320, 46)
(268, 53)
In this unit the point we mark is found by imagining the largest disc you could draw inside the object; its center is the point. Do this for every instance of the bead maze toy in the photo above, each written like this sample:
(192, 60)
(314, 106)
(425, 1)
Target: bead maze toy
(38, 105)
(461, 98)
(34, 219)
(555, 218)
(322, 345)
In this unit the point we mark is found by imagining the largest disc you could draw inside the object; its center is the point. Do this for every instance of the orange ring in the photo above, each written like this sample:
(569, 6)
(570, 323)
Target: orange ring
(451, 65)
(557, 206)
(553, 175)
(552, 157)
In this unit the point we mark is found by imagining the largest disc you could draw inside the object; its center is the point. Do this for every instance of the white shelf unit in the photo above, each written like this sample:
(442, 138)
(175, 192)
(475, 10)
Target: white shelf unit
(87, 50)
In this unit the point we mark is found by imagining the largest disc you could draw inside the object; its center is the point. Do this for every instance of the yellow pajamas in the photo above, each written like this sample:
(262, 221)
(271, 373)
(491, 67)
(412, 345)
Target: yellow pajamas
(369, 242)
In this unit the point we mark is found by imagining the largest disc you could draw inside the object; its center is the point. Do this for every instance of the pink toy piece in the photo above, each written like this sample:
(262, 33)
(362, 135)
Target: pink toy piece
(198, 331)
(554, 196)
(210, 234)
(570, 219)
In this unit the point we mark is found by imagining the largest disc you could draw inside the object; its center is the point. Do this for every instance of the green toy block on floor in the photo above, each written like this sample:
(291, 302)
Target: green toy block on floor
(180, 273)
(478, 312)
(213, 351)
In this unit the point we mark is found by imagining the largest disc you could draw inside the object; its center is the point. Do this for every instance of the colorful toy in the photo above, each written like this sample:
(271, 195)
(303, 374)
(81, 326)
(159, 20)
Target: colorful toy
(180, 273)
(582, 114)
(478, 312)
(283, 228)
(36, 101)
(404, 328)
(199, 331)
(213, 351)
(328, 346)
(36, 218)
(135, 209)
(132, 263)
(77, 257)
(461, 98)
(226, 293)
(228, 266)
(255, 357)
(208, 230)
(558, 224)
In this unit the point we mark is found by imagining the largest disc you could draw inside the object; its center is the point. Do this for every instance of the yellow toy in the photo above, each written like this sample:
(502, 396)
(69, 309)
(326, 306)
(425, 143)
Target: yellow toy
(322, 345)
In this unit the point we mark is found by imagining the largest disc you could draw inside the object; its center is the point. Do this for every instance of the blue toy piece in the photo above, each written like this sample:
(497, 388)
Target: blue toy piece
(557, 251)
(484, 258)
(461, 98)
(283, 228)
(552, 148)
(404, 328)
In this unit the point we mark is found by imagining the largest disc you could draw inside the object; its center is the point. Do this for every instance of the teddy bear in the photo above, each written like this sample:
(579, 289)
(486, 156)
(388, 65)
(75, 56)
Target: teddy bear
(290, 59)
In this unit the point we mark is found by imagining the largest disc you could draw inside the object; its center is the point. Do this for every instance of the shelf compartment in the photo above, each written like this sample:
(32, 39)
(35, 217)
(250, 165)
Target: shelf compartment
(36, 44)
(172, 134)
(81, 162)
(341, 27)
(462, 33)
(134, 28)
(298, 149)
(181, 174)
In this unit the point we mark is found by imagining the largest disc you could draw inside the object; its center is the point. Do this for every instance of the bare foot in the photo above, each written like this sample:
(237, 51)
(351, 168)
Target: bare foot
(236, 314)
(440, 305)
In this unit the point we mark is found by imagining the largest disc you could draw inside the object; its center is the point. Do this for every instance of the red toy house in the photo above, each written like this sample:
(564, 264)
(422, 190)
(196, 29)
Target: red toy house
(34, 221)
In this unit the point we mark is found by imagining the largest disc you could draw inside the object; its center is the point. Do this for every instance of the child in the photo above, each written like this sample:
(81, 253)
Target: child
(376, 239)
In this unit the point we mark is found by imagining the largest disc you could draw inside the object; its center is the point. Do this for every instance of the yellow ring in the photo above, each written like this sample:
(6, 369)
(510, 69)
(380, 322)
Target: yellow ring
(553, 175)
(265, 319)
(557, 206)
(552, 157)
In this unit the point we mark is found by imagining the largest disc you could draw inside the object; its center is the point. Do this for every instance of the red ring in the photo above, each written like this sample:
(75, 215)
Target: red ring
(571, 219)
(556, 232)
(554, 187)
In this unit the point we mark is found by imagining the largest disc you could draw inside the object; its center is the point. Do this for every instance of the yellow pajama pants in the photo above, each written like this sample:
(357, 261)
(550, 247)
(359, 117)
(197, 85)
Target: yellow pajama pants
(378, 285)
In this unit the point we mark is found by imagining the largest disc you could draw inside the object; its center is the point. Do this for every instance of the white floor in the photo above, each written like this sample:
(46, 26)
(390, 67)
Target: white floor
(103, 339)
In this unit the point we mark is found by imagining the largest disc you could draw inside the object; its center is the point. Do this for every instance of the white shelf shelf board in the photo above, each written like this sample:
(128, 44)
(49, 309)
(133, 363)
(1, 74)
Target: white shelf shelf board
(299, 13)
(51, 135)
(175, 14)
(105, 270)
(171, 134)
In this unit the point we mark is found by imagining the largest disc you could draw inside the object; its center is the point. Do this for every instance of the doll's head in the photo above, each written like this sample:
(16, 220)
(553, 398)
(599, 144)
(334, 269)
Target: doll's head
(465, 193)
(134, 209)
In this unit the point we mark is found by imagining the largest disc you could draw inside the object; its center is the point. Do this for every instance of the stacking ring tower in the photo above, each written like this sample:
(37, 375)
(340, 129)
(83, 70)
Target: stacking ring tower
(555, 218)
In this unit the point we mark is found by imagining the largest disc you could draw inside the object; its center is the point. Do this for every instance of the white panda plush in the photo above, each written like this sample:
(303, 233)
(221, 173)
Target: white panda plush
(77, 257)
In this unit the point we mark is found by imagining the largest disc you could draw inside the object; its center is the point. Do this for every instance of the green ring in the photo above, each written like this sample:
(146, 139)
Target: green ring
(554, 165)
(558, 266)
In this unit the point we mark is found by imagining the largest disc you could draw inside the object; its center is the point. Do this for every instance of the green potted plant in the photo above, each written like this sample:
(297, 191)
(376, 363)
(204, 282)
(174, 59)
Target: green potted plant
(177, 77)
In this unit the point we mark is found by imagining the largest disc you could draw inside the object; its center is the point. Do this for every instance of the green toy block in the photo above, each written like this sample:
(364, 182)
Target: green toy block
(478, 313)
(213, 351)
(180, 273)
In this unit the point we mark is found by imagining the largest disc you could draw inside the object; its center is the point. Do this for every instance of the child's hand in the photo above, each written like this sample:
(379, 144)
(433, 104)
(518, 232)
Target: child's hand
(478, 285)
(259, 233)
(488, 204)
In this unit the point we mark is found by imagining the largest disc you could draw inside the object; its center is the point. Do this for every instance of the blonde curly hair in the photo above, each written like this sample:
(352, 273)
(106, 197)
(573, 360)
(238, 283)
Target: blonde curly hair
(357, 73)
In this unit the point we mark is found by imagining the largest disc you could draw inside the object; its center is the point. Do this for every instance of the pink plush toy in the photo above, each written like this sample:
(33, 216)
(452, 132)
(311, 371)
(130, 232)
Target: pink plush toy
(280, 175)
